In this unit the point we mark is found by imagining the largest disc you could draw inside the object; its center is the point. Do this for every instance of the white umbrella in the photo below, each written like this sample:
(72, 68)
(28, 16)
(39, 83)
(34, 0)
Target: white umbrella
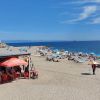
(93, 62)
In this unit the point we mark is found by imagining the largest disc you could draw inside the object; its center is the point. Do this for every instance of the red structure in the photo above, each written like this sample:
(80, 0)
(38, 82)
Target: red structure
(13, 61)
(10, 67)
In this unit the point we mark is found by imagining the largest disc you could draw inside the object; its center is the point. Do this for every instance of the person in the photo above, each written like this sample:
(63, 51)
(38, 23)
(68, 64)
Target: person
(26, 69)
(93, 64)
(22, 72)
(17, 71)
(0, 74)
(93, 68)
(34, 73)
(9, 72)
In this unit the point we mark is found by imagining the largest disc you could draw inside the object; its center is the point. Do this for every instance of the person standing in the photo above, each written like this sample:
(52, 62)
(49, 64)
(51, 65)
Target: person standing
(93, 68)
(93, 65)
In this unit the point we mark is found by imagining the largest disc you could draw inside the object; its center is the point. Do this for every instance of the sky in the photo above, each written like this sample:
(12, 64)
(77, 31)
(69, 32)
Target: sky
(50, 20)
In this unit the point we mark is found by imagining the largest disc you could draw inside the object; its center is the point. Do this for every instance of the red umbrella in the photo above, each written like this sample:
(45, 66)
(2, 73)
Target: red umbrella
(11, 62)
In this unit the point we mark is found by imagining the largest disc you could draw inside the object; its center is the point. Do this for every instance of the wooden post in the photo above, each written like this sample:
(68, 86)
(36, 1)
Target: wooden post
(29, 66)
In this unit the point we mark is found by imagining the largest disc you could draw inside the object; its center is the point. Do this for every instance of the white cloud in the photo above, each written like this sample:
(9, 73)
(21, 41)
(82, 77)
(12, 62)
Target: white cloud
(87, 12)
(90, 12)
(94, 1)
(96, 20)
(81, 2)
(85, 1)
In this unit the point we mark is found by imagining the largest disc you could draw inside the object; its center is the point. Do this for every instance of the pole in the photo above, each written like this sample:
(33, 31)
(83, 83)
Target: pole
(29, 66)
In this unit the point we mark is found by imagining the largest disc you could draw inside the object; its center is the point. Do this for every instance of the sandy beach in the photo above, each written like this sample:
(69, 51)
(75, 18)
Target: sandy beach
(49, 49)
(64, 80)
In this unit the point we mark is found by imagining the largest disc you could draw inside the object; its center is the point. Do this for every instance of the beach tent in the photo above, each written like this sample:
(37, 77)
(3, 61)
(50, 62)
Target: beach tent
(11, 62)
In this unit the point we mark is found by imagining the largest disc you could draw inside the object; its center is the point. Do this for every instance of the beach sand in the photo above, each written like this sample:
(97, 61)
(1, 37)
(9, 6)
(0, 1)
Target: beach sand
(64, 80)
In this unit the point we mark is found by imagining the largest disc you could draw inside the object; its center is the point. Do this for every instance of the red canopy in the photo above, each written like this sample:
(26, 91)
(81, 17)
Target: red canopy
(11, 62)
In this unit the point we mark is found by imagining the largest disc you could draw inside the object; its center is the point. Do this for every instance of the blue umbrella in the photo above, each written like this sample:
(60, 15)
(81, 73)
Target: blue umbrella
(92, 53)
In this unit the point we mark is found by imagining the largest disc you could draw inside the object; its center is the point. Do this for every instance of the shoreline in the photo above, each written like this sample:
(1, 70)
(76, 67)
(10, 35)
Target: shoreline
(85, 47)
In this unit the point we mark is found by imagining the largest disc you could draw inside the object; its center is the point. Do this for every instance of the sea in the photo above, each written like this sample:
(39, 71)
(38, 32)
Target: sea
(72, 46)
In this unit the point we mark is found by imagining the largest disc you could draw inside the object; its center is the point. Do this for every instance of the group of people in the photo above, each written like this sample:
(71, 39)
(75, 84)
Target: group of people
(8, 73)
(11, 73)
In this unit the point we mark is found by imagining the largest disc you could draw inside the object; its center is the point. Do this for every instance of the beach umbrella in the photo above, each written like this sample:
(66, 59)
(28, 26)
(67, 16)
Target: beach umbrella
(54, 55)
(93, 62)
(80, 53)
(86, 54)
(66, 51)
(23, 49)
(92, 53)
(56, 50)
(11, 62)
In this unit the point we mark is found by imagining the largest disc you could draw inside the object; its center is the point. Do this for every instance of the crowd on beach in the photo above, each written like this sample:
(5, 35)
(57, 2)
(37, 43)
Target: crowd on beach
(13, 73)
(56, 55)
(9, 74)
(53, 55)
(77, 57)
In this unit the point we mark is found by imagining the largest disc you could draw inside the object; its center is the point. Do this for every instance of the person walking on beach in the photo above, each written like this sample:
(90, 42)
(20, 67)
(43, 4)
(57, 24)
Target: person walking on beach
(93, 63)
(93, 68)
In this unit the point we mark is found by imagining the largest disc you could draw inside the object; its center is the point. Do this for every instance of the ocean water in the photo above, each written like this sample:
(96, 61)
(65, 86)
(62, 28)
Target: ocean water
(74, 46)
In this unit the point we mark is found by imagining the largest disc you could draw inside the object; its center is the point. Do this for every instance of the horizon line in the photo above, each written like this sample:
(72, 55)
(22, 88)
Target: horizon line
(47, 40)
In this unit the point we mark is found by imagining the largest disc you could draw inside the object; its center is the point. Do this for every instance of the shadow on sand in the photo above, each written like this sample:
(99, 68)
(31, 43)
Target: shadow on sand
(98, 66)
(86, 74)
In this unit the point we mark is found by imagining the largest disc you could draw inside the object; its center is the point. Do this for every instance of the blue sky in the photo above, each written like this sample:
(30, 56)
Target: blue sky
(50, 19)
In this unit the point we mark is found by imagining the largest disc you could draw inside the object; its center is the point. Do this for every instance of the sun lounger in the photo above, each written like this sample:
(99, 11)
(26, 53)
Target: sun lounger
(49, 58)
(70, 58)
(43, 52)
(55, 60)
(53, 57)
(79, 60)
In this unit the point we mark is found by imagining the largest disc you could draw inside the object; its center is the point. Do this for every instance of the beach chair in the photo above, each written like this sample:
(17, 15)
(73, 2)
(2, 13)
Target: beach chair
(79, 60)
(49, 58)
(55, 60)
(43, 52)
(4, 78)
(71, 57)
(26, 74)
(16, 75)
